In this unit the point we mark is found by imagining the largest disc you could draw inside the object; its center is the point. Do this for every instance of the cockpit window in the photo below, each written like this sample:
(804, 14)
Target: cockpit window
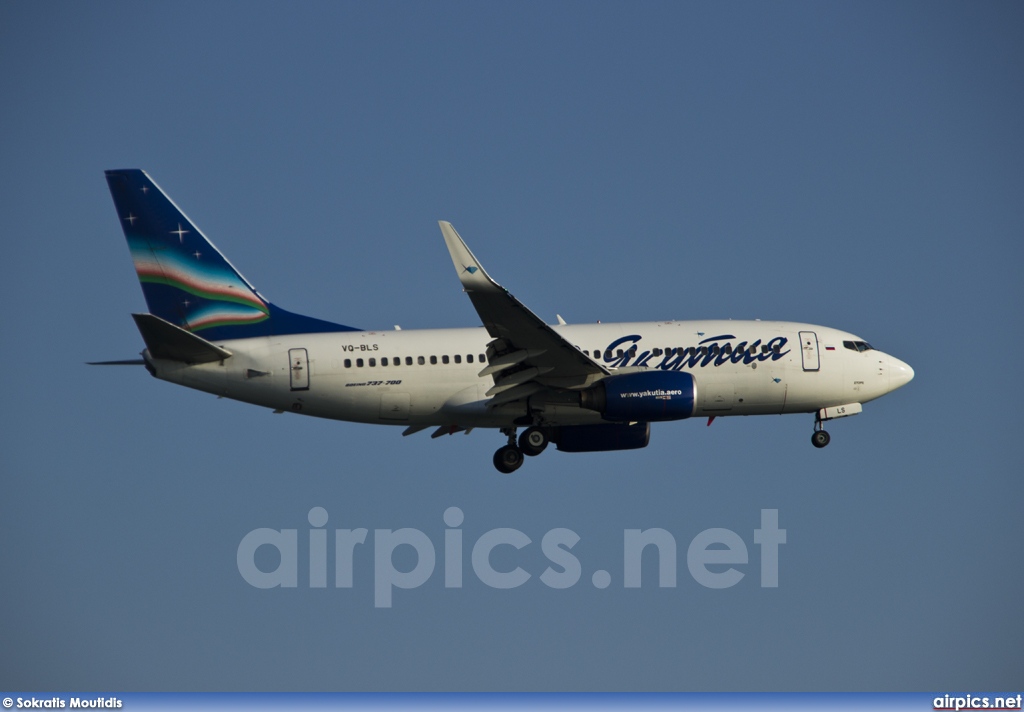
(858, 346)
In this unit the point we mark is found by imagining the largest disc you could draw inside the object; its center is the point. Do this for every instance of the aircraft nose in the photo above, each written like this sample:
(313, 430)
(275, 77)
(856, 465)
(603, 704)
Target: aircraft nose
(900, 374)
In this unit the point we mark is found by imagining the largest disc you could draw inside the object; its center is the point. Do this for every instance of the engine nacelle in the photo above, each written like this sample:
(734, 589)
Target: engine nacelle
(601, 438)
(645, 396)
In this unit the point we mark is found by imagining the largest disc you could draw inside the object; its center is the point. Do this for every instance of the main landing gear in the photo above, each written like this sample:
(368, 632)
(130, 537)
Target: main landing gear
(532, 442)
(819, 438)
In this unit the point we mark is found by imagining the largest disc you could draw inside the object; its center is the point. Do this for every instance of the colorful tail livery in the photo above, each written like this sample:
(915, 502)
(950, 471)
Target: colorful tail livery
(185, 279)
(582, 387)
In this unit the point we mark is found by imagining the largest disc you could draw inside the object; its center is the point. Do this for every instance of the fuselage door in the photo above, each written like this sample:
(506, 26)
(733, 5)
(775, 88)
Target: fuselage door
(809, 350)
(298, 360)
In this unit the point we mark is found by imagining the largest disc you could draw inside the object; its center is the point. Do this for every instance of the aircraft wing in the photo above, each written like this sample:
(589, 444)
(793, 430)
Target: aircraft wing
(525, 354)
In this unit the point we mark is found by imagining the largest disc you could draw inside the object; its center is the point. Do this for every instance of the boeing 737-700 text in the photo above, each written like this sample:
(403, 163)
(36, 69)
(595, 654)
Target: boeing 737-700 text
(585, 388)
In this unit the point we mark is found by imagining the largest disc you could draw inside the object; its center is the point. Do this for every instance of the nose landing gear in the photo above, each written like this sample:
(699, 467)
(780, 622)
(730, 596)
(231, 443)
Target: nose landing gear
(819, 438)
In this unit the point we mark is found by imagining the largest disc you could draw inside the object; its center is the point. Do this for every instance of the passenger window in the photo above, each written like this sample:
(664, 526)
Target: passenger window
(348, 363)
(433, 360)
(483, 358)
(458, 358)
(727, 350)
(444, 359)
(420, 360)
(384, 361)
(359, 362)
(656, 352)
(408, 360)
(373, 362)
(469, 358)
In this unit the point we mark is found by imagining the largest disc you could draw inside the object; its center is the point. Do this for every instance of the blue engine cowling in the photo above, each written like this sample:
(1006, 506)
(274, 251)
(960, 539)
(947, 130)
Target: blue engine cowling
(601, 438)
(644, 396)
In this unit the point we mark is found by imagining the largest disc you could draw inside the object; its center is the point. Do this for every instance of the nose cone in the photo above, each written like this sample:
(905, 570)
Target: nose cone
(900, 374)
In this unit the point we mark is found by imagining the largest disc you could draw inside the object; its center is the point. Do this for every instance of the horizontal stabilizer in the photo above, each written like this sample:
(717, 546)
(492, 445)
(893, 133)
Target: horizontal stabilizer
(167, 341)
(125, 362)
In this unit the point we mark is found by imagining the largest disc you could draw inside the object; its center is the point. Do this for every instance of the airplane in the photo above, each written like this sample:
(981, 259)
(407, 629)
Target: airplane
(583, 387)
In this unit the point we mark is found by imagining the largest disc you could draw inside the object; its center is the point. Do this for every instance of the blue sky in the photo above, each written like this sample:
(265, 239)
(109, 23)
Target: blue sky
(857, 165)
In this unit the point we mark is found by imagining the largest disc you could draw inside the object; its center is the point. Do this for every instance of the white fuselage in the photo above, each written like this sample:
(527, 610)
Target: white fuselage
(431, 377)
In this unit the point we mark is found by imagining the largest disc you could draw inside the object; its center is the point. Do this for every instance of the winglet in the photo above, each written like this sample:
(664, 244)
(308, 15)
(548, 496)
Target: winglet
(471, 273)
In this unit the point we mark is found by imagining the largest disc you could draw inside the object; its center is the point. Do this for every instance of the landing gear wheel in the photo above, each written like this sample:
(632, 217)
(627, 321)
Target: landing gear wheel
(508, 459)
(533, 441)
(820, 439)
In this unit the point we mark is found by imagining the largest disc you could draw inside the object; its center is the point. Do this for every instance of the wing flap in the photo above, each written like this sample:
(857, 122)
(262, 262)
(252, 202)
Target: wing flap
(517, 378)
(515, 393)
(500, 363)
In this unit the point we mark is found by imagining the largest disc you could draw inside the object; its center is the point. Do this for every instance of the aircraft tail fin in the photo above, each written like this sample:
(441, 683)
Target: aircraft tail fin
(186, 280)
